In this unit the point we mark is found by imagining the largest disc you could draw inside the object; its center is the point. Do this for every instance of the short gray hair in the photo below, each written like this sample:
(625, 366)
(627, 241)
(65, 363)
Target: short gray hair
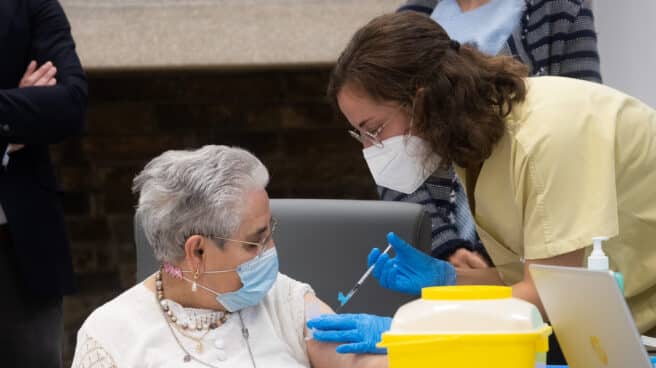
(182, 193)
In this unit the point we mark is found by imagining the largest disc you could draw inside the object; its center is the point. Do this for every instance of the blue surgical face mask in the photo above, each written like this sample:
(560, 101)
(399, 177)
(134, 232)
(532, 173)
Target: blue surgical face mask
(257, 277)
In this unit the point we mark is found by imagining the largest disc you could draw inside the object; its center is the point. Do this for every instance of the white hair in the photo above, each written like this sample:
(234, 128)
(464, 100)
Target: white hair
(182, 193)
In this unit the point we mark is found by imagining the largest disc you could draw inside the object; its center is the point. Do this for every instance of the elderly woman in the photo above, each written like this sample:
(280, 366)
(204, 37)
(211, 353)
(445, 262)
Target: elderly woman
(218, 299)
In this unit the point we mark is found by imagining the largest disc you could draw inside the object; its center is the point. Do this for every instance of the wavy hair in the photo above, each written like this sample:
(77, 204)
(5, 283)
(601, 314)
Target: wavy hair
(460, 96)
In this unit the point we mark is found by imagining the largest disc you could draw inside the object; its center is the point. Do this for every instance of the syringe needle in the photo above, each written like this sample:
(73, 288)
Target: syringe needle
(343, 299)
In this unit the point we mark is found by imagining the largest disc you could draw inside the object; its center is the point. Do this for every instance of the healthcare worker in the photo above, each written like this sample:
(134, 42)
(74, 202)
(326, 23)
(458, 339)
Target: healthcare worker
(552, 37)
(547, 162)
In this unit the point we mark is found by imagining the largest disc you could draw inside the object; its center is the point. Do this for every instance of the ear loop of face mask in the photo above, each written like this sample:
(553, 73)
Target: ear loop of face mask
(195, 282)
(179, 274)
(412, 116)
(412, 119)
(408, 133)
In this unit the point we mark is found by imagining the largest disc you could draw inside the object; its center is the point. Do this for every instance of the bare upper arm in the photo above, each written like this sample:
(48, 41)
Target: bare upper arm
(526, 290)
(323, 355)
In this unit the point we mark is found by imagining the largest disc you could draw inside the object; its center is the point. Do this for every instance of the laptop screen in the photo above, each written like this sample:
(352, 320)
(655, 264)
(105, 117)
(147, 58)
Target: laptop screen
(590, 317)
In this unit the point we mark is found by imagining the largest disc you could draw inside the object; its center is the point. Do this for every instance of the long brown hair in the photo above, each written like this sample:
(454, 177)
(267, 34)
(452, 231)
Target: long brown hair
(460, 96)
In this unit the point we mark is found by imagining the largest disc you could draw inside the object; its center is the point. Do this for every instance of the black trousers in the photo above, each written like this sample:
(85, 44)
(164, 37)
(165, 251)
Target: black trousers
(31, 328)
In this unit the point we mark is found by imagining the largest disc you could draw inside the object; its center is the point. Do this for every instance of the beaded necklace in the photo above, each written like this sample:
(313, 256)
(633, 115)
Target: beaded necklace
(182, 326)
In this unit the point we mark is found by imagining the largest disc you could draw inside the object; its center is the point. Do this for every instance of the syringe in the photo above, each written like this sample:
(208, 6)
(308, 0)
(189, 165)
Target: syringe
(343, 299)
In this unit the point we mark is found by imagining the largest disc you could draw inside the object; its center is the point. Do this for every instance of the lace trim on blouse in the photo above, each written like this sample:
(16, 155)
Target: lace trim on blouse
(89, 353)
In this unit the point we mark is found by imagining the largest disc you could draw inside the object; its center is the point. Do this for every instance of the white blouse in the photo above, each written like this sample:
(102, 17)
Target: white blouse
(131, 331)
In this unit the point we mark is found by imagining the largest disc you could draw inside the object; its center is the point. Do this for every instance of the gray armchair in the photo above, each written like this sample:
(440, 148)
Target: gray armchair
(325, 242)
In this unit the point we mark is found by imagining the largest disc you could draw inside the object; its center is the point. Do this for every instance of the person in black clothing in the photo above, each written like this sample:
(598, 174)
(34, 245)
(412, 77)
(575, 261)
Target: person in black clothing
(43, 98)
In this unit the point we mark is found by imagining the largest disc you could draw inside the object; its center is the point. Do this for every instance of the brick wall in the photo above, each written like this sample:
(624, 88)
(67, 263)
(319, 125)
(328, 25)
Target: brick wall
(279, 115)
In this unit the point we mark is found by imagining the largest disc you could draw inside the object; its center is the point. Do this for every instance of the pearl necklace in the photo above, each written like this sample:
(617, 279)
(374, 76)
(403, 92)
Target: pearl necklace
(172, 320)
(205, 323)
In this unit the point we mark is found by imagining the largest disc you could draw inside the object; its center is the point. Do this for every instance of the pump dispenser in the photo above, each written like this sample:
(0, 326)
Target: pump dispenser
(598, 261)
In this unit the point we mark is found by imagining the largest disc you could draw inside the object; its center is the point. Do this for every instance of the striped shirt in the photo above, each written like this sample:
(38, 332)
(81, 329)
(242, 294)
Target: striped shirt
(553, 37)
(446, 202)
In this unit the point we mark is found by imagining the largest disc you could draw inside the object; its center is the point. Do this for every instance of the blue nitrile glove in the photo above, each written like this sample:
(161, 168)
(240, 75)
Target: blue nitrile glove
(411, 270)
(359, 333)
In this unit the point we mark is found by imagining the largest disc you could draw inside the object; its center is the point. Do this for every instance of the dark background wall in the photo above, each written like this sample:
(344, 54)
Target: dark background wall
(281, 115)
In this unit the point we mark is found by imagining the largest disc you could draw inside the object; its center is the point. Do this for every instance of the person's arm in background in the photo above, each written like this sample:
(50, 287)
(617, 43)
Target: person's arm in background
(524, 289)
(47, 114)
(571, 40)
(580, 53)
(33, 77)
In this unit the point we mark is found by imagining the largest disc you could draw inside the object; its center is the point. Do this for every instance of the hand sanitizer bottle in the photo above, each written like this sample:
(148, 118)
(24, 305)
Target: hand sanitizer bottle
(598, 261)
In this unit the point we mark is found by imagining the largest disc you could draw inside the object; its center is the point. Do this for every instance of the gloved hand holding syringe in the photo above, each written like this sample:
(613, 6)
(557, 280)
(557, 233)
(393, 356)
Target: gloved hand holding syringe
(408, 272)
(343, 299)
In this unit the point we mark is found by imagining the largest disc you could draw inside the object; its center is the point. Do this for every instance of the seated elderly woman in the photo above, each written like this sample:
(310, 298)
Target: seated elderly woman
(218, 300)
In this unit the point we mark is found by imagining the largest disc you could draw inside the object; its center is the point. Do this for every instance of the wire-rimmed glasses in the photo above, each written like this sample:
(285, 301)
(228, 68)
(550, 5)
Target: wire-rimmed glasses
(365, 137)
(262, 245)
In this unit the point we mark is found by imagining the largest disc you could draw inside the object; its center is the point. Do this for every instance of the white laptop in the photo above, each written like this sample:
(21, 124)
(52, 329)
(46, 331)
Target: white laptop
(590, 317)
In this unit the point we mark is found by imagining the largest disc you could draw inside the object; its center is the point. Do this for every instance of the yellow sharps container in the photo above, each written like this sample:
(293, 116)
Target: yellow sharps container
(467, 326)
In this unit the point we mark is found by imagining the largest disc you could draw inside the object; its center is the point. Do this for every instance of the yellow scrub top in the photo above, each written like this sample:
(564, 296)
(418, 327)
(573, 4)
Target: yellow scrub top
(578, 160)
